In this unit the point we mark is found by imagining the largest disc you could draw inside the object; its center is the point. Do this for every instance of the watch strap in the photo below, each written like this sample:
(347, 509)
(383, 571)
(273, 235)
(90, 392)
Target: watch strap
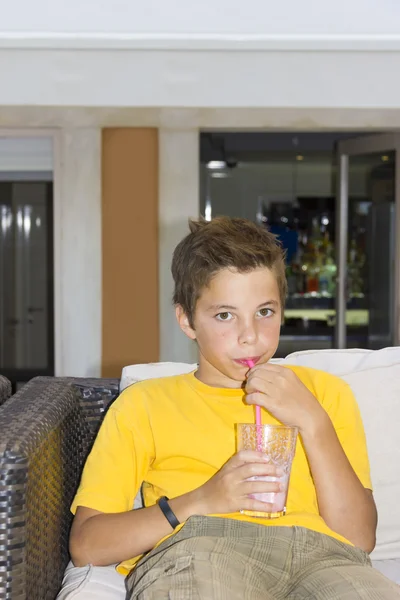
(168, 512)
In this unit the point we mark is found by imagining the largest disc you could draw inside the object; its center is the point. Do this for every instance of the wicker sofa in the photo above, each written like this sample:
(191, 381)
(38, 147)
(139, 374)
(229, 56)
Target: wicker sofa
(5, 389)
(47, 429)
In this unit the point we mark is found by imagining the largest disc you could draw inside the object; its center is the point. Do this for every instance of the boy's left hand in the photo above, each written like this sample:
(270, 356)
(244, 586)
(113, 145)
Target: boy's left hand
(281, 393)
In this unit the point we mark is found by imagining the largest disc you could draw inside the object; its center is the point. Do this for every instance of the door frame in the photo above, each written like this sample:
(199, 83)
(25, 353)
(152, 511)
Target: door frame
(56, 229)
(365, 144)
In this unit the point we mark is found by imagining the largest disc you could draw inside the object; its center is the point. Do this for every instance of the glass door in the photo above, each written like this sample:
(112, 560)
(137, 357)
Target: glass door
(368, 242)
(26, 280)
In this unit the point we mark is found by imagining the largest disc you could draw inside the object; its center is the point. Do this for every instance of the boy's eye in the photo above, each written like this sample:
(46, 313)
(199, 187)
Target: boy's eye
(265, 312)
(224, 316)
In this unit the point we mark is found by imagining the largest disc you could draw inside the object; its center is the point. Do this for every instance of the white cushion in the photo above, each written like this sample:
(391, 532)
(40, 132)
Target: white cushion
(374, 377)
(389, 568)
(341, 362)
(134, 373)
(378, 394)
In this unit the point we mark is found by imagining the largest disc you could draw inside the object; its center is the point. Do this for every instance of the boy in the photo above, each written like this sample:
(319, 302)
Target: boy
(177, 436)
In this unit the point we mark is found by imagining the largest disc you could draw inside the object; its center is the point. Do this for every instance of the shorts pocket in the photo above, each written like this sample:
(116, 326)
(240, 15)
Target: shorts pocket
(162, 574)
(355, 554)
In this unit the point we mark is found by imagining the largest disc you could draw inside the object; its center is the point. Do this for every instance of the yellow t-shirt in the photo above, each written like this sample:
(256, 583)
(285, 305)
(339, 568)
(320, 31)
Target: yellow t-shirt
(174, 433)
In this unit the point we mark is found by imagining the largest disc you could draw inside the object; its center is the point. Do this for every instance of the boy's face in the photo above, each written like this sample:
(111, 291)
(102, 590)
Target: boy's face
(237, 317)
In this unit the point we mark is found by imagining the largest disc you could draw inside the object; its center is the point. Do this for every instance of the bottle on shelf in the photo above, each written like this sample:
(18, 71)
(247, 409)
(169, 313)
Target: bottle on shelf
(301, 271)
(313, 271)
(316, 234)
(328, 270)
(292, 277)
(355, 282)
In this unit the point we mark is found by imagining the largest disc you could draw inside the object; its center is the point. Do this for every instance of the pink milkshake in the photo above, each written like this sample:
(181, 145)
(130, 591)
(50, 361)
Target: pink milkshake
(278, 442)
(277, 499)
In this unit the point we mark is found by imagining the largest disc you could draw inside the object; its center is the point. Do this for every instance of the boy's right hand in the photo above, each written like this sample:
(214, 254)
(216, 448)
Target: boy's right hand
(228, 491)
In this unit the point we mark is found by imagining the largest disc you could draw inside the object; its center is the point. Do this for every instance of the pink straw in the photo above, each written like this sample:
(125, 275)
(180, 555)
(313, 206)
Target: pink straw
(250, 364)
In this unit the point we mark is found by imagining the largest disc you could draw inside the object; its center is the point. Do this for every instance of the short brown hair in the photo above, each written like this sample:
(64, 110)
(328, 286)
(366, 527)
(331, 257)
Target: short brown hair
(223, 243)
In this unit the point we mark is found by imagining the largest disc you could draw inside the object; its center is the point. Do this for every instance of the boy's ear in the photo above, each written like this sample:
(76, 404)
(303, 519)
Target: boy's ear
(183, 322)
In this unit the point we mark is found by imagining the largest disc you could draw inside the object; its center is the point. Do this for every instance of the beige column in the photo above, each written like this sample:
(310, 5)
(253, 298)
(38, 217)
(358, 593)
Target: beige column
(77, 252)
(178, 200)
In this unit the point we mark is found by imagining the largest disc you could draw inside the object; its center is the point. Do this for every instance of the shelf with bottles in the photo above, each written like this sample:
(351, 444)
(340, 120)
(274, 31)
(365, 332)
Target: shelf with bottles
(312, 270)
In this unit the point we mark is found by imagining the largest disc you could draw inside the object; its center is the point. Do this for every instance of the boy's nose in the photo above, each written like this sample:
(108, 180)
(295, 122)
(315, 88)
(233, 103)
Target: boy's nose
(248, 334)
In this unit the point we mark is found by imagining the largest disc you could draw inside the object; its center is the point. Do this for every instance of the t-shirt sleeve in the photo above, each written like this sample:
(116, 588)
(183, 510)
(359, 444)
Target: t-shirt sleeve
(346, 418)
(120, 457)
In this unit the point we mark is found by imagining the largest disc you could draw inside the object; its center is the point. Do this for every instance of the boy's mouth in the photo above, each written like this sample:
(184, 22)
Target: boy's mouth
(245, 361)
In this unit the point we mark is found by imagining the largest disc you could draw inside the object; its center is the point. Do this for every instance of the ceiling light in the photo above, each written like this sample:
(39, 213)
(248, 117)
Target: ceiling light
(216, 164)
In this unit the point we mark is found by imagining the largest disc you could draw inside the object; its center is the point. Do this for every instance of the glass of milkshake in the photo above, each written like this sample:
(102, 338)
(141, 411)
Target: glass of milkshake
(278, 442)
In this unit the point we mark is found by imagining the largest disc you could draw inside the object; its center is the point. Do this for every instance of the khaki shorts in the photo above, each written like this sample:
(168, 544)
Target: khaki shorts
(223, 559)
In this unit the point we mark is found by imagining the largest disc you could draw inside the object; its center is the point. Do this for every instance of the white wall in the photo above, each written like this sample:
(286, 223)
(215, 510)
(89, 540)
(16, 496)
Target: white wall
(341, 54)
(261, 17)
(191, 78)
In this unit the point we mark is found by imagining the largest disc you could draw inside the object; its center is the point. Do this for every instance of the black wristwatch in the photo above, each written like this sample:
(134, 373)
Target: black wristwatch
(167, 512)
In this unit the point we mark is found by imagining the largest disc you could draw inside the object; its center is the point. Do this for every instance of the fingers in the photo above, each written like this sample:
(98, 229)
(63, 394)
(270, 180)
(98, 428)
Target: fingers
(262, 487)
(271, 368)
(256, 505)
(247, 473)
(257, 470)
(273, 374)
(247, 456)
(261, 383)
(257, 398)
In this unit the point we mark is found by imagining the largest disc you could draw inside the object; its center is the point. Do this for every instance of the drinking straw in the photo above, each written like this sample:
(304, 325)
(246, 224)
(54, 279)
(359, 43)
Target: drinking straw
(250, 364)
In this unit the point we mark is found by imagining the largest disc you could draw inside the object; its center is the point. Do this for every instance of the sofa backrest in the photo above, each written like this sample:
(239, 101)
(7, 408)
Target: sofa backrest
(5, 389)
